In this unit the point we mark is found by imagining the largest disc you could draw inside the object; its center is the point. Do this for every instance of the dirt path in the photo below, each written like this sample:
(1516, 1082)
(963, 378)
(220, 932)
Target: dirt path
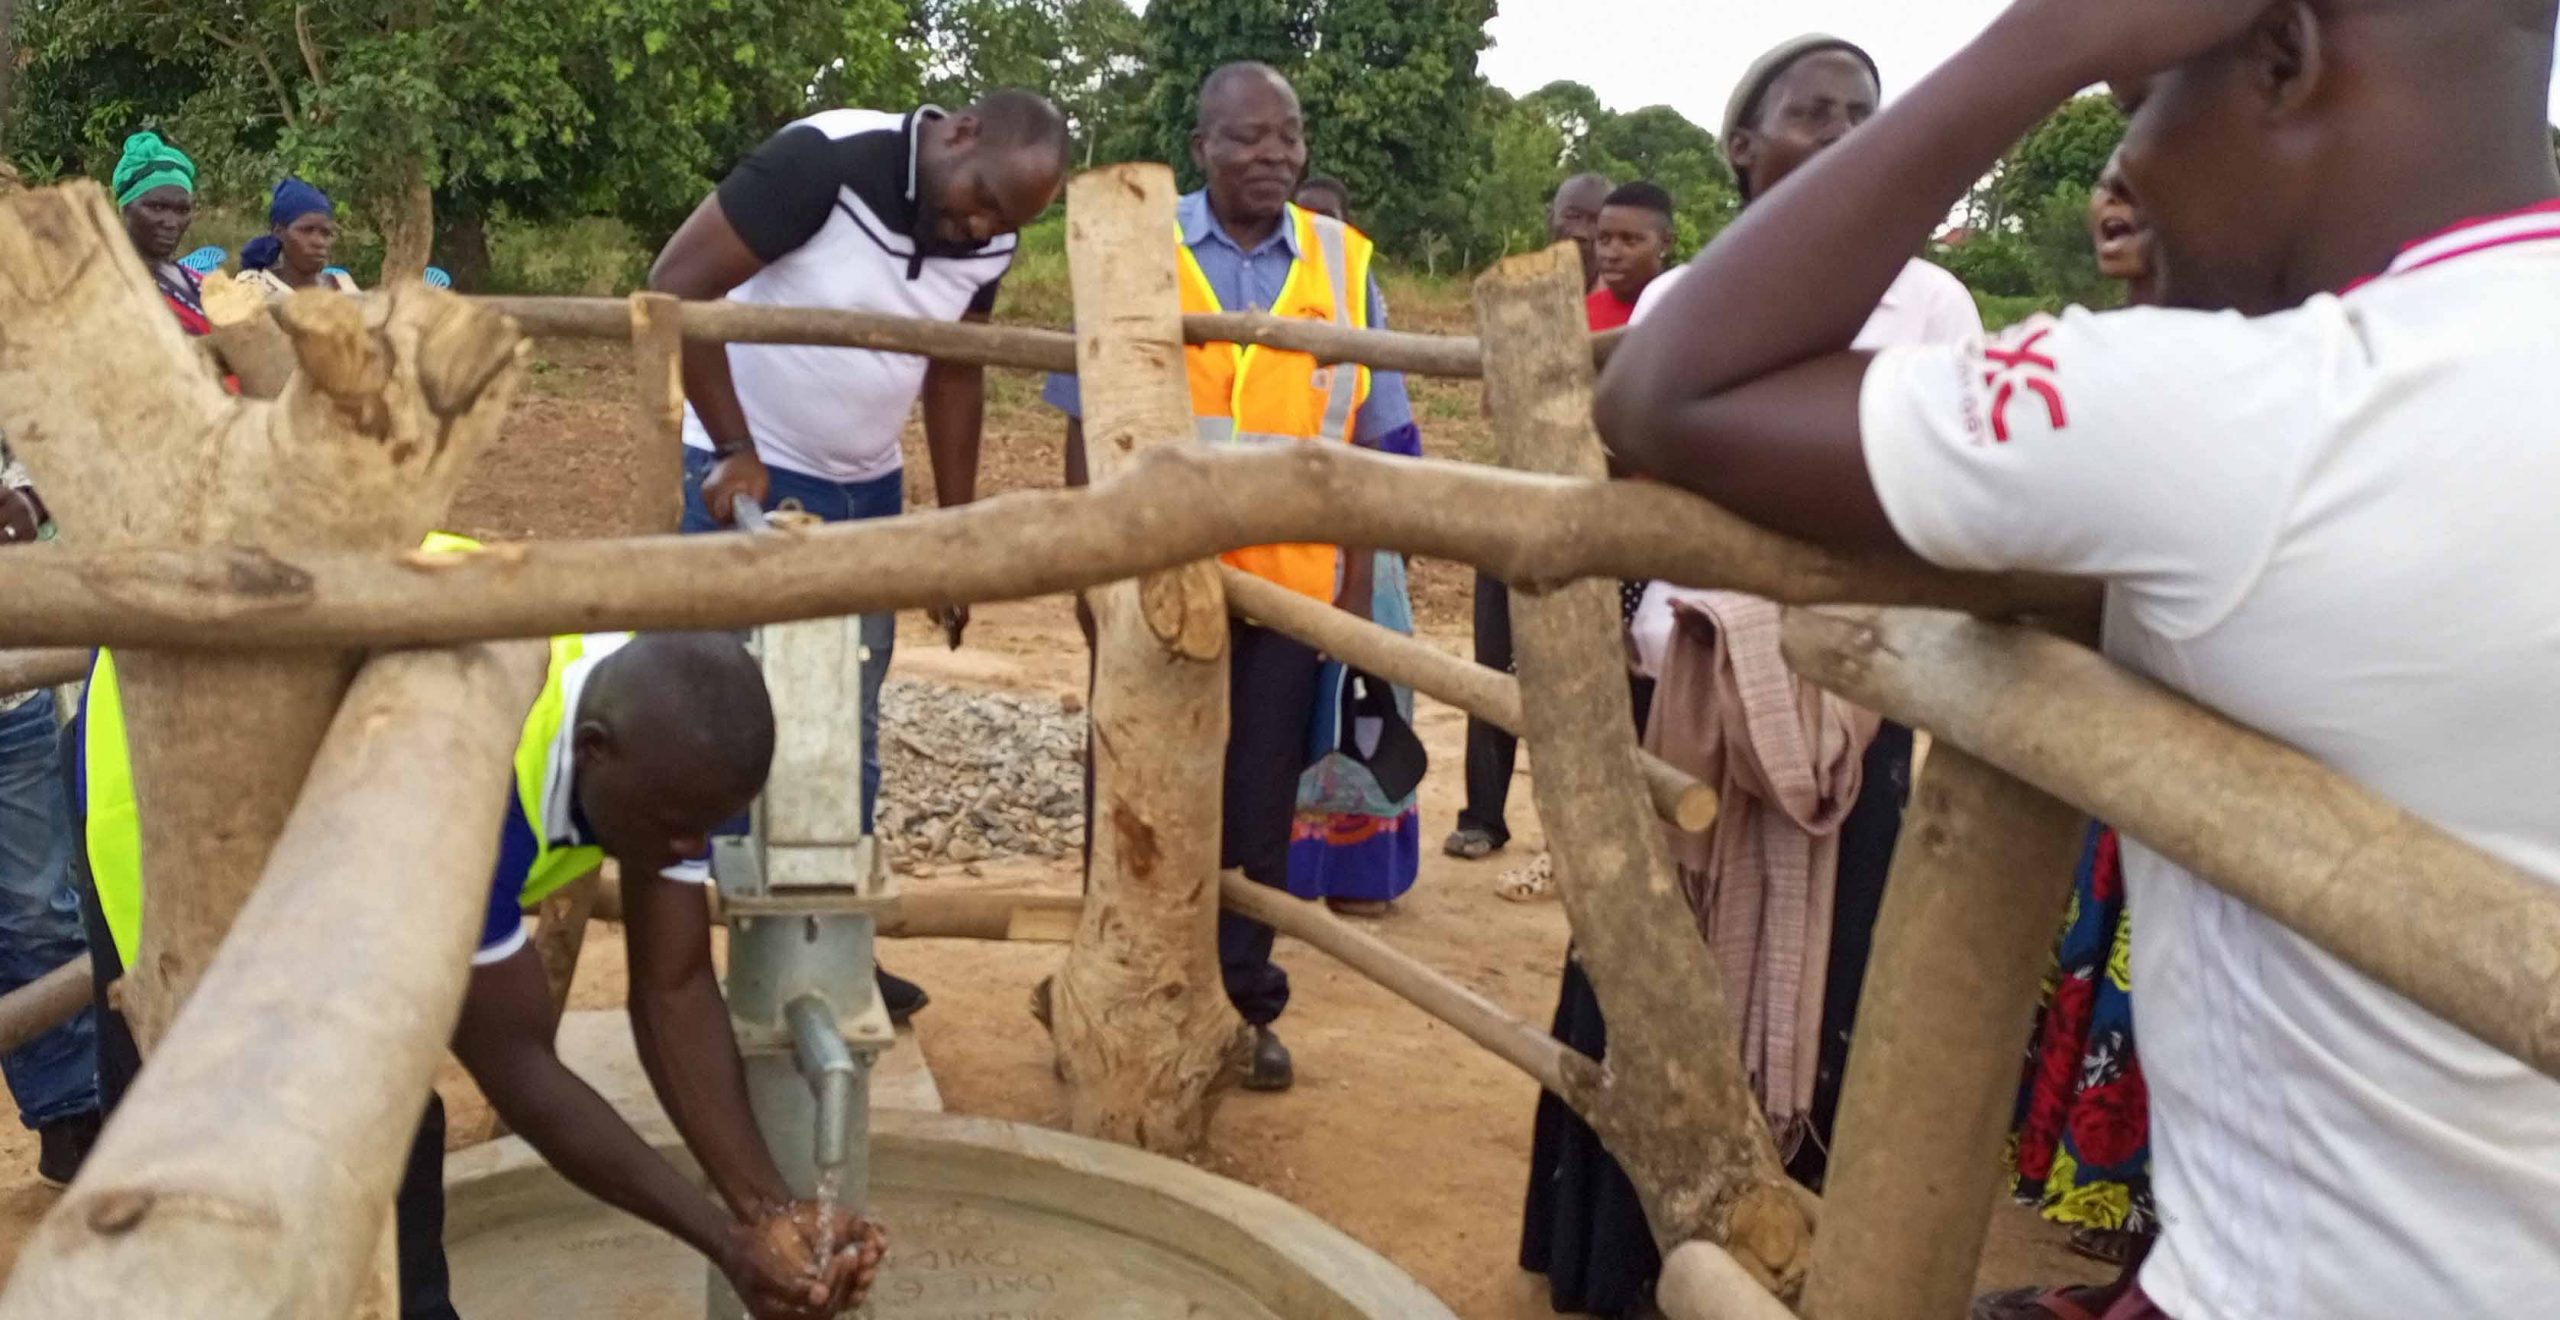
(1399, 1132)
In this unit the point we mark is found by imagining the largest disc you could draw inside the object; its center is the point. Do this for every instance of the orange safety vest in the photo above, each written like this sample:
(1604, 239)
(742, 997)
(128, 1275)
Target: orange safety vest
(1247, 393)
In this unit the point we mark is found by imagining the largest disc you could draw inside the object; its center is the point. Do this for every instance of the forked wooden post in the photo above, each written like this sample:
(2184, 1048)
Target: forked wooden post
(1675, 1108)
(1144, 1030)
(1971, 907)
(653, 506)
(251, 1169)
(137, 446)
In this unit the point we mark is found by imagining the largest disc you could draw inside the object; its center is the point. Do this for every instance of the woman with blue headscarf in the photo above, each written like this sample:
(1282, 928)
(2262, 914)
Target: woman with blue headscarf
(302, 230)
(155, 187)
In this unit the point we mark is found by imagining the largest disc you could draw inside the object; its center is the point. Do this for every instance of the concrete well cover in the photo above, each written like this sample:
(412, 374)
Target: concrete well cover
(987, 1221)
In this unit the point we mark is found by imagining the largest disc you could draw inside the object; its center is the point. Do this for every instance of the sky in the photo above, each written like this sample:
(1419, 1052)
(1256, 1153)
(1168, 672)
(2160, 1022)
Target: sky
(1688, 54)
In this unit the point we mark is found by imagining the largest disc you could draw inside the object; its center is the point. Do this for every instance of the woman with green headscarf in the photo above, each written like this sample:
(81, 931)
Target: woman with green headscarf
(156, 187)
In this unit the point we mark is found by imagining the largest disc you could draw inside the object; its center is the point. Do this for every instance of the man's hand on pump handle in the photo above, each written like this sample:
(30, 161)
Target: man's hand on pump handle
(740, 473)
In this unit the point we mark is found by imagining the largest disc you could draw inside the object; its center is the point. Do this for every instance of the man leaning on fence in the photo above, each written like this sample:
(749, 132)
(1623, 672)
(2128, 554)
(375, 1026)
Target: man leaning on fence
(1246, 247)
(2316, 484)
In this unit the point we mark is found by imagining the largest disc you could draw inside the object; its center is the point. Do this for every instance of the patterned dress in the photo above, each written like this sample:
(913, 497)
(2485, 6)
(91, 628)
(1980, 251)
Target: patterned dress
(2082, 1150)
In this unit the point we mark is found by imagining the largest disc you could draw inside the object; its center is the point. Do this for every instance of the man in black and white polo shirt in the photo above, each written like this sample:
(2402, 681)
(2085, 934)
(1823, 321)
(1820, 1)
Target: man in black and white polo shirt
(909, 215)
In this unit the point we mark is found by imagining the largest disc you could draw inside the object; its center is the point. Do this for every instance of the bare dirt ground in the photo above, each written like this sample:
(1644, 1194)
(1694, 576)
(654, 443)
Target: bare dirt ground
(1399, 1132)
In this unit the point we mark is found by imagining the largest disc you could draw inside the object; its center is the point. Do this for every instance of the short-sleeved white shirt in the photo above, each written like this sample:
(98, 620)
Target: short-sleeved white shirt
(2335, 525)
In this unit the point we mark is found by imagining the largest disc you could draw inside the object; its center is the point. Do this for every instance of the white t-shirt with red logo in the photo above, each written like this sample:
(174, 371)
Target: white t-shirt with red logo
(2336, 525)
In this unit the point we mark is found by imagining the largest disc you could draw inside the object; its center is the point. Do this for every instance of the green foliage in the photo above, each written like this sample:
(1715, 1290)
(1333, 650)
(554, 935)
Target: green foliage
(566, 137)
(1086, 55)
(1185, 41)
(544, 107)
(591, 258)
(2029, 220)
(1993, 265)
(1658, 144)
(1378, 78)
(2069, 149)
(1520, 152)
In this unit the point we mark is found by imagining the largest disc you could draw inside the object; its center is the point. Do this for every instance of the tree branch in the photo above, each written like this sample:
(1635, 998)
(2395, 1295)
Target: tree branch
(311, 60)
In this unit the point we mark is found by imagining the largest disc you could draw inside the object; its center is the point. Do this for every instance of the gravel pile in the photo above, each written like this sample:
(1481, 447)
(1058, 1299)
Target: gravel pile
(969, 776)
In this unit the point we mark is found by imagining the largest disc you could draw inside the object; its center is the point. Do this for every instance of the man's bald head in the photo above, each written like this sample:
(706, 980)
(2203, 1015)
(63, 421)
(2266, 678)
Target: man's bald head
(1573, 214)
(2301, 156)
(992, 168)
(1250, 143)
(674, 735)
(1241, 83)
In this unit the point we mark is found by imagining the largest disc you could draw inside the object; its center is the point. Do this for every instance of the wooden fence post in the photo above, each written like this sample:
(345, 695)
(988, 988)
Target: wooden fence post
(138, 447)
(250, 1172)
(1675, 1109)
(1144, 1030)
(1971, 910)
(657, 416)
(655, 466)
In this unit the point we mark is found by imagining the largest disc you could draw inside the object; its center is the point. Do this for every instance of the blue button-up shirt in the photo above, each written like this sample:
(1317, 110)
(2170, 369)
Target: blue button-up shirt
(1252, 281)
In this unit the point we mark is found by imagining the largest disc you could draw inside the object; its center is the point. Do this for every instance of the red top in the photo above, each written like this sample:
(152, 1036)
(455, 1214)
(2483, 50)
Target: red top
(1606, 310)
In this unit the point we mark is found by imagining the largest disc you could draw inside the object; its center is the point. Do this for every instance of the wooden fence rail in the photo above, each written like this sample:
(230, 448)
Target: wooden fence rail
(21, 671)
(1172, 506)
(2466, 935)
(1489, 694)
(1030, 348)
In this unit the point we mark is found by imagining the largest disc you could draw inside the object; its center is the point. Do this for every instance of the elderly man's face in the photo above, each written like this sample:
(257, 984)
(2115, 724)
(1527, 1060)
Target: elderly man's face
(1252, 145)
(1575, 215)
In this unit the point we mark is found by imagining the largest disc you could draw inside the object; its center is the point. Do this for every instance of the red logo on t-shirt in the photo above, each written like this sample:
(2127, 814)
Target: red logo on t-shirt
(2023, 368)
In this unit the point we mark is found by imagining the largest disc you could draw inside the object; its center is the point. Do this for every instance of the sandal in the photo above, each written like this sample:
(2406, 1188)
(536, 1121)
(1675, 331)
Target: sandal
(1365, 909)
(1467, 843)
(1533, 883)
(2032, 1304)
(2107, 1246)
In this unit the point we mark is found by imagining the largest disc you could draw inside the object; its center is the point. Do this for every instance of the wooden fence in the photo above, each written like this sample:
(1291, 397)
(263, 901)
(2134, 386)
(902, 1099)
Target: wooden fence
(248, 589)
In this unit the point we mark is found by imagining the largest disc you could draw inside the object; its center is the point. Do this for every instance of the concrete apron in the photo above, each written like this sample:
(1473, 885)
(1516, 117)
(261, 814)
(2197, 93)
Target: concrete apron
(987, 1221)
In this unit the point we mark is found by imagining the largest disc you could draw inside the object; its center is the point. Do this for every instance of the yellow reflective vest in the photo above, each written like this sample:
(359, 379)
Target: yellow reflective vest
(1246, 392)
(530, 861)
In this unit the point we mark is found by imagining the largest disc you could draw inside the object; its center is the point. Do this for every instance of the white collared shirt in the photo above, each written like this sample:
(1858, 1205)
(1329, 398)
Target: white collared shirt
(2334, 525)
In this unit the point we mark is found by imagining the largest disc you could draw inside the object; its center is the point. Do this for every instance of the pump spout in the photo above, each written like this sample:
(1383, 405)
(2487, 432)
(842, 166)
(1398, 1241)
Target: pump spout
(829, 1067)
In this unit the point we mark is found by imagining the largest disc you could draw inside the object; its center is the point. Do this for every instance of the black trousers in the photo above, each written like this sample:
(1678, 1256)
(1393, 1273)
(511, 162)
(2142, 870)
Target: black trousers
(426, 1291)
(1271, 693)
(1492, 751)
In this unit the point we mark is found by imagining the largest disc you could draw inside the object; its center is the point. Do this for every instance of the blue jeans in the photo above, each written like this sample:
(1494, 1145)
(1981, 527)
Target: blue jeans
(830, 501)
(54, 1076)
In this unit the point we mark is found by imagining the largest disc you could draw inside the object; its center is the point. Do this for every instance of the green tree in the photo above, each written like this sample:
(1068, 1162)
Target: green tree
(1378, 78)
(1575, 113)
(1659, 144)
(2069, 149)
(1522, 152)
(1184, 41)
(1380, 87)
(542, 107)
(1086, 55)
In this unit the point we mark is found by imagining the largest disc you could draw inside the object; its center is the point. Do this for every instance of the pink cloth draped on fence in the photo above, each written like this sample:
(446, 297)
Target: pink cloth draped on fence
(1785, 757)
